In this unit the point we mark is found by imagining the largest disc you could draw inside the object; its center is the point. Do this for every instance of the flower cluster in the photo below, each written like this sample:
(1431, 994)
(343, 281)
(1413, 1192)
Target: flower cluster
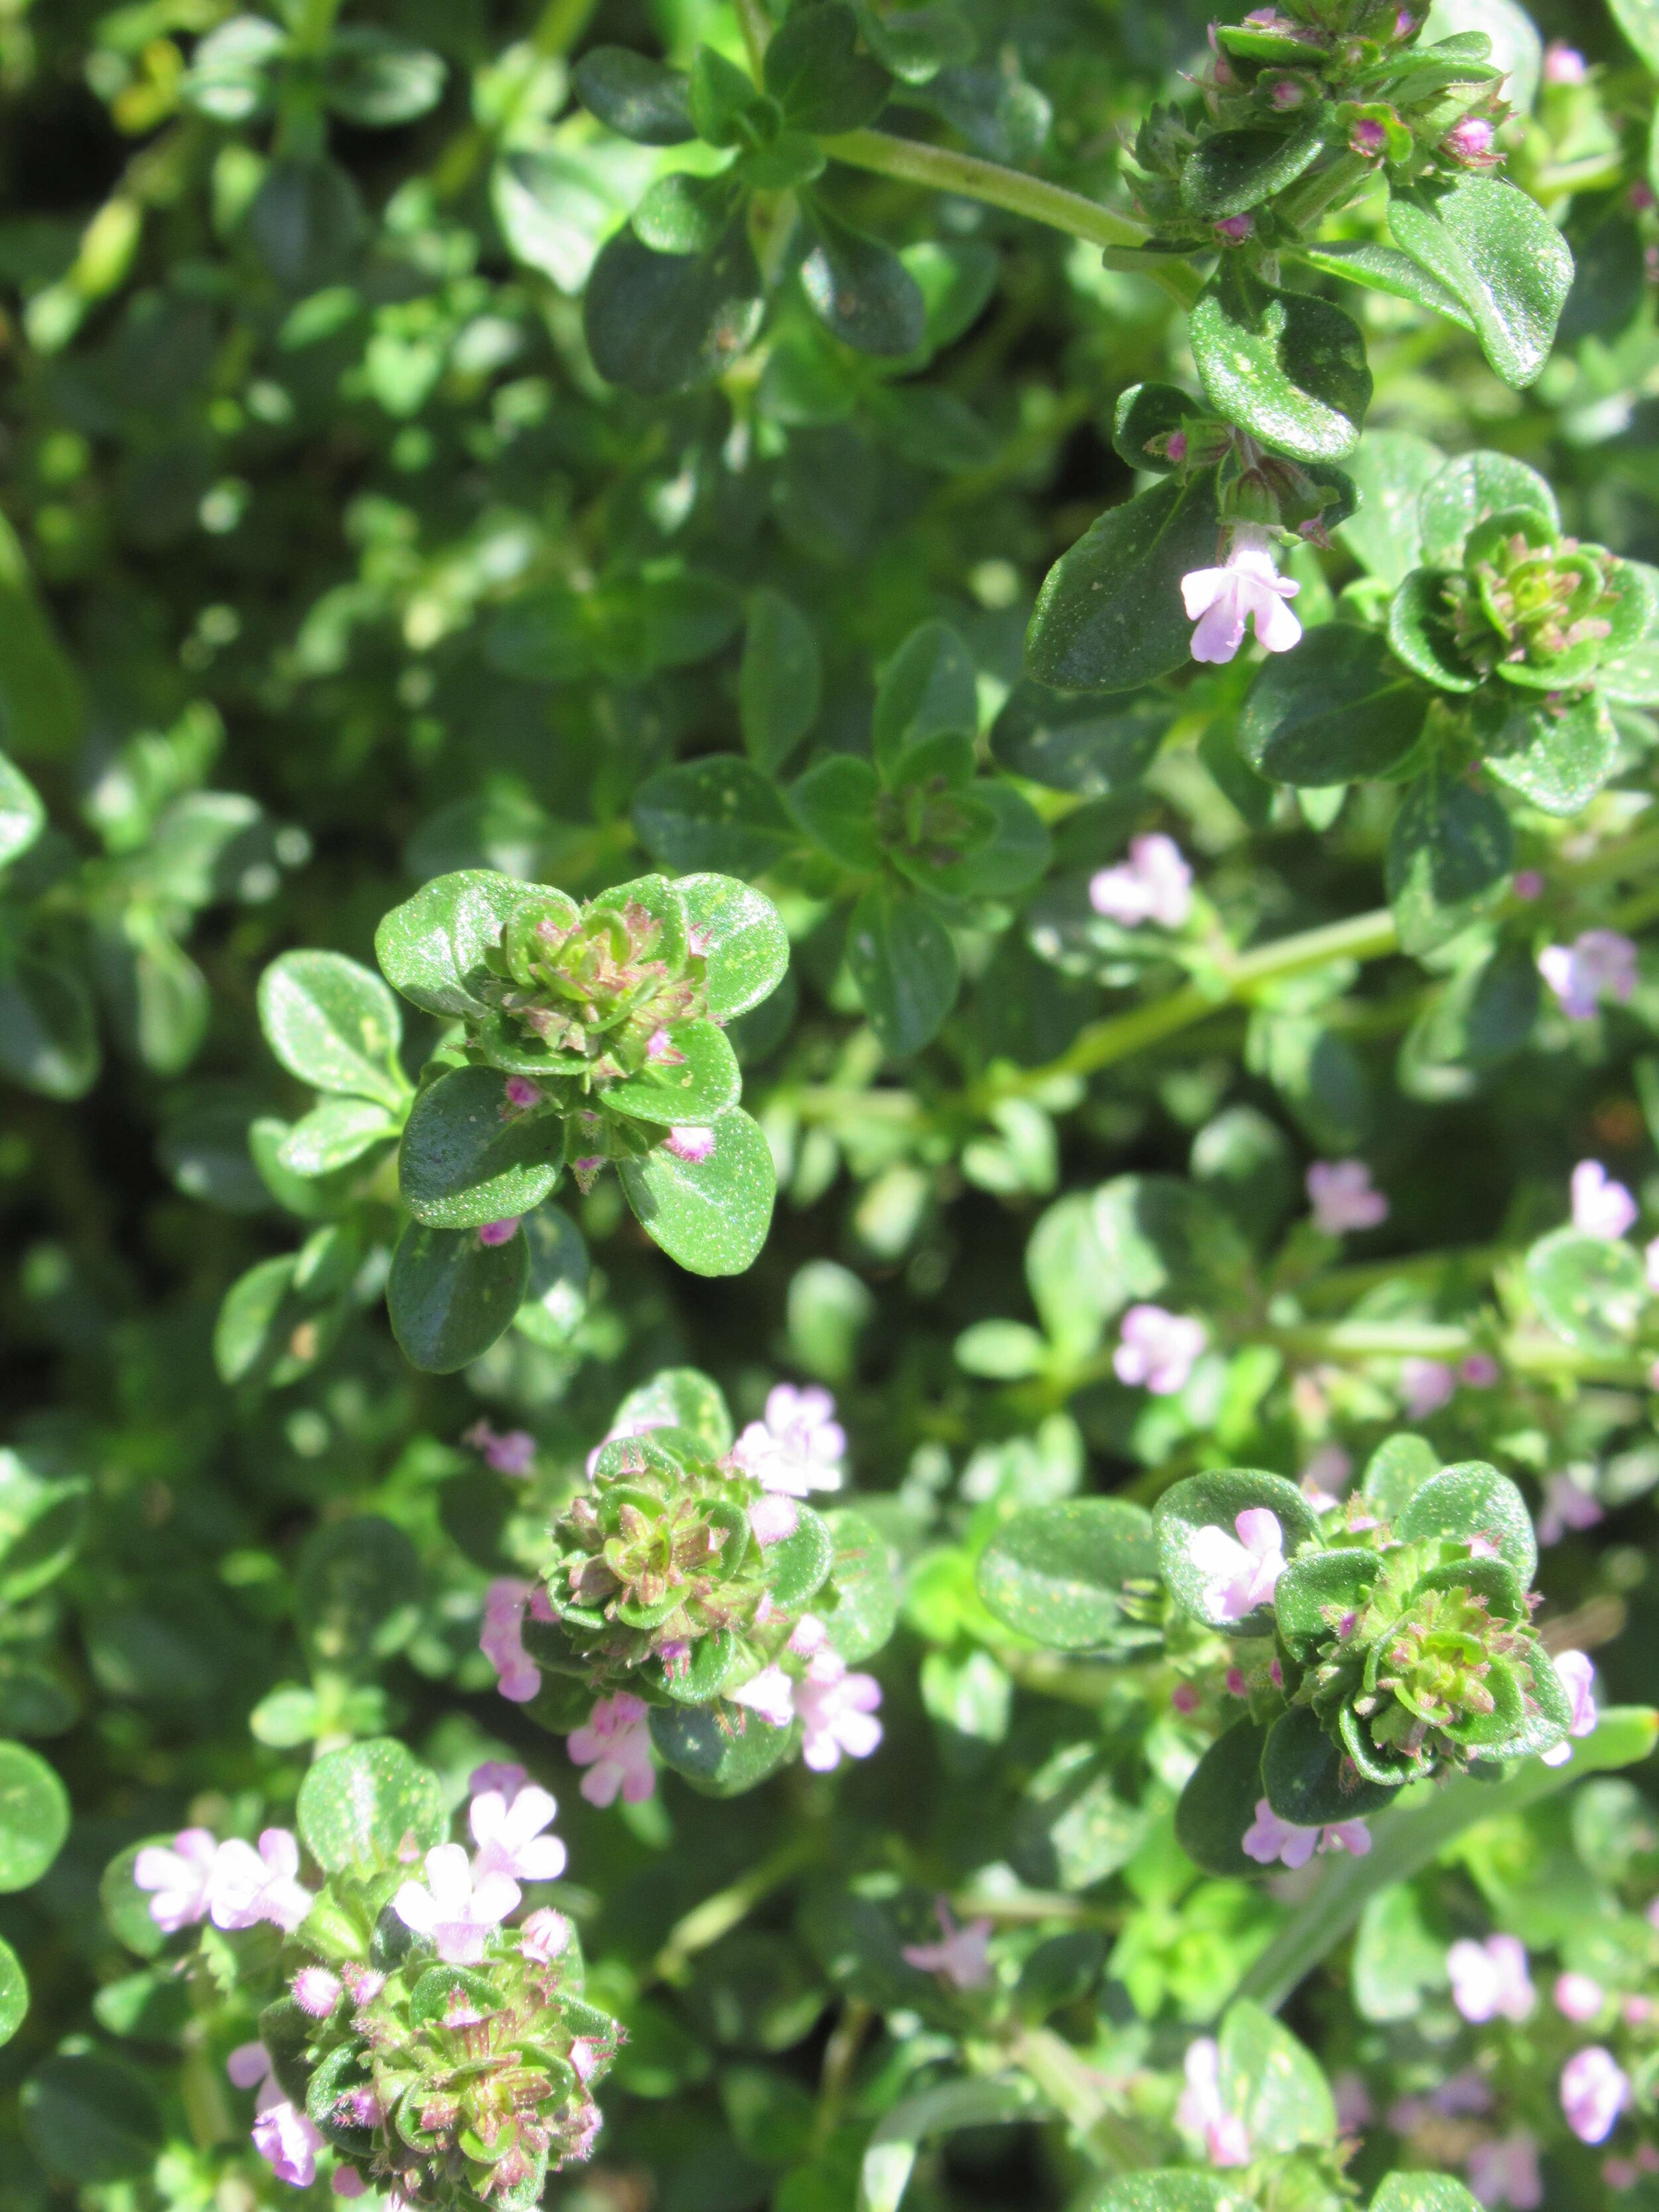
(196, 1878)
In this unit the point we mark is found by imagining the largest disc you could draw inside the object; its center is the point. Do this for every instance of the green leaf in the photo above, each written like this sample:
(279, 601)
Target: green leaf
(42, 714)
(710, 1215)
(638, 98)
(896, 2140)
(1451, 850)
(1074, 1829)
(1420, 632)
(858, 288)
(717, 812)
(1590, 1291)
(432, 947)
(1390, 468)
(722, 1750)
(1289, 368)
(927, 690)
(836, 803)
(799, 1566)
(780, 680)
(1164, 2192)
(661, 323)
(356, 1593)
(1235, 170)
(48, 1033)
(682, 214)
(679, 1398)
(1395, 1958)
(334, 1134)
(1109, 616)
(1160, 1236)
(742, 938)
(1639, 21)
(1474, 1499)
(1217, 1805)
(1014, 856)
(1338, 709)
(41, 1524)
(1469, 491)
(14, 1993)
(1383, 269)
(1317, 1585)
(814, 71)
(1423, 2193)
(696, 1088)
(1146, 415)
(862, 1610)
(904, 963)
(1273, 2082)
(333, 1024)
(22, 814)
(1076, 745)
(1215, 1501)
(307, 222)
(467, 1158)
(1057, 1572)
(1557, 753)
(90, 2121)
(1396, 1471)
(378, 81)
(1499, 254)
(449, 1298)
(34, 1816)
(370, 1809)
(1306, 1779)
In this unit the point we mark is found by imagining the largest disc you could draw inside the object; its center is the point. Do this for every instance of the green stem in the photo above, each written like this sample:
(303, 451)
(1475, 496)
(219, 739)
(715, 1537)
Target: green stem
(1304, 202)
(718, 1915)
(1076, 2091)
(1405, 1840)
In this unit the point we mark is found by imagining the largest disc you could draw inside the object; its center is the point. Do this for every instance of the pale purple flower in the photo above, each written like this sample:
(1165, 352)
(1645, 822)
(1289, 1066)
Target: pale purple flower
(1601, 1208)
(1200, 2111)
(316, 1990)
(1599, 964)
(614, 1745)
(1577, 1673)
(770, 1693)
(1341, 1194)
(250, 1885)
(1158, 1348)
(283, 2135)
(502, 1637)
(1270, 1841)
(798, 1447)
(1460, 2096)
(1469, 143)
(1563, 64)
(1153, 885)
(544, 1936)
(1425, 1385)
(690, 1142)
(500, 1232)
(452, 1907)
(1566, 1506)
(1490, 1980)
(1595, 2090)
(179, 1875)
(773, 1517)
(837, 1711)
(505, 1775)
(509, 1452)
(1650, 1264)
(808, 1636)
(1504, 2171)
(1247, 588)
(1240, 1574)
(509, 1836)
(346, 2181)
(1578, 1999)
(1353, 2099)
(961, 1958)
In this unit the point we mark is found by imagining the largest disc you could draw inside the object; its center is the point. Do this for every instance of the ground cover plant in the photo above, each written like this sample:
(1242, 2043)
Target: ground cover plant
(829, 1069)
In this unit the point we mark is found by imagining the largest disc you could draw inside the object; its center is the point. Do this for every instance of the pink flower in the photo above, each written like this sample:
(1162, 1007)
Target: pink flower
(316, 1991)
(1566, 1506)
(798, 1447)
(1341, 1194)
(1490, 1979)
(1158, 1348)
(1600, 963)
(771, 1694)
(249, 1885)
(1650, 1264)
(1479, 1370)
(962, 1958)
(661, 1050)
(1505, 2172)
(1368, 137)
(837, 1711)
(509, 1836)
(1200, 2111)
(1528, 884)
(1353, 2099)
(1239, 1575)
(522, 1093)
(774, 1518)
(452, 1907)
(1234, 229)
(1577, 1673)
(689, 1142)
(1271, 1841)
(809, 1635)
(1601, 1208)
(1184, 1698)
(1563, 64)
(544, 1935)
(1153, 885)
(1425, 1385)
(346, 2182)
(614, 1744)
(512, 1453)
(1577, 1997)
(283, 2135)
(500, 1232)
(1325, 1476)
(1469, 143)
(502, 1637)
(1247, 588)
(1595, 2090)
(1285, 93)
(180, 1875)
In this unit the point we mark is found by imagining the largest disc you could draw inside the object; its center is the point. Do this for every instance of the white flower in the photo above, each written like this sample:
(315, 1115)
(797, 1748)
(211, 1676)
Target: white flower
(1270, 1841)
(544, 1935)
(798, 1447)
(1599, 964)
(1153, 885)
(770, 1693)
(1601, 1208)
(249, 1885)
(1595, 2090)
(1490, 1979)
(837, 1710)
(509, 1834)
(1425, 1385)
(179, 1875)
(1577, 1673)
(962, 1958)
(1158, 1348)
(456, 1912)
(1341, 1194)
(1200, 2111)
(1247, 588)
(614, 1745)
(1242, 1574)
